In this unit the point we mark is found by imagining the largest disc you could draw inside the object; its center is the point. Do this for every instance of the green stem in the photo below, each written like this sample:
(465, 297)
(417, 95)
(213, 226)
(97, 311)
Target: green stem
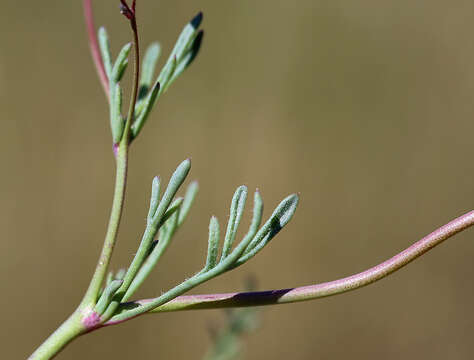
(67, 332)
(74, 325)
(112, 229)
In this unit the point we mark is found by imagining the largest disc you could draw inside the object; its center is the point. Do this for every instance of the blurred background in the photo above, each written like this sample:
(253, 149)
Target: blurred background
(365, 108)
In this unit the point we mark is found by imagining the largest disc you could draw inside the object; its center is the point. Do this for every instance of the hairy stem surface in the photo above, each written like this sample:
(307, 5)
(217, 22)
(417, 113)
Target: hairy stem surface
(112, 229)
(67, 332)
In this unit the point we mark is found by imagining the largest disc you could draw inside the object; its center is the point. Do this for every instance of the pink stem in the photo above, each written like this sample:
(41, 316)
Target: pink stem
(282, 296)
(94, 46)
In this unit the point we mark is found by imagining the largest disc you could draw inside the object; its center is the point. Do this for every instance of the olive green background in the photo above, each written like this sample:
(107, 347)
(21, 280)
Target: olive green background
(363, 107)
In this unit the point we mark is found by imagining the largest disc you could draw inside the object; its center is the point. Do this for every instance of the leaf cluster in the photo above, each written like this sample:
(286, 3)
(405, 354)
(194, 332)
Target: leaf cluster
(149, 89)
(167, 211)
(165, 215)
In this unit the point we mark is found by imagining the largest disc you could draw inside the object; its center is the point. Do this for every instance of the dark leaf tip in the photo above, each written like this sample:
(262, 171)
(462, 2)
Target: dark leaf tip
(196, 21)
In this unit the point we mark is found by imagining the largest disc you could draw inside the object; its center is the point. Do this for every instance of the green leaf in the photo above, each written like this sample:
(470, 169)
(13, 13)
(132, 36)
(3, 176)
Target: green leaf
(105, 50)
(187, 59)
(148, 69)
(167, 73)
(186, 37)
(213, 244)
(109, 278)
(149, 102)
(257, 216)
(236, 211)
(185, 50)
(107, 295)
(188, 201)
(173, 208)
(176, 181)
(116, 120)
(121, 63)
(280, 217)
(157, 249)
(155, 197)
(120, 274)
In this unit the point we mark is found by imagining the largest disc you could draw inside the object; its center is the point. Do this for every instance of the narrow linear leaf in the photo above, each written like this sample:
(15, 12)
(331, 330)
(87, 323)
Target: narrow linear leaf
(188, 58)
(105, 50)
(194, 49)
(213, 244)
(188, 201)
(148, 69)
(236, 211)
(176, 181)
(181, 50)
(257, 216)
(186, 36)
(107, 295)
(167, 73)
(153, 246)
(148, 104)
(157, 249)
(109, 278)
(120, 274)
(116, 120)
(173, 208)
(155, 197)
(152, 227)
(280, 217)
(166, 233)
(121, 63)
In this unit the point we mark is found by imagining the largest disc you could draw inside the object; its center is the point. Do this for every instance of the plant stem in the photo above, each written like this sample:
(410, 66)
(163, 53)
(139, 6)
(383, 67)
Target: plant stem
(112, 229)
(136, 72)
(283, 296)
(120, 180)
(67, 332)
(94, 46)
(84, 318)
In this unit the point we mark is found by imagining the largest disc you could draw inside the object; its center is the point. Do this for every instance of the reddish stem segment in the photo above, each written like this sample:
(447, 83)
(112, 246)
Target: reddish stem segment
(94, 46)
(282, 296)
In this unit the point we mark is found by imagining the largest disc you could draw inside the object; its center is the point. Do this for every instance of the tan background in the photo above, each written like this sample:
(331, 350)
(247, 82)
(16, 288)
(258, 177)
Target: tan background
(364, 107)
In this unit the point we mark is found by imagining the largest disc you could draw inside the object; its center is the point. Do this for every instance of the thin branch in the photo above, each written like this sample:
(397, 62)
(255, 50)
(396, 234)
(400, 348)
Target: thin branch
(120, 182)
(283, 296)
(94, 46)
(112, 228)
(130, 14)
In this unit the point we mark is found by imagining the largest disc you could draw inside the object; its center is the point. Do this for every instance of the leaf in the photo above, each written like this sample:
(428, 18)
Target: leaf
(120, 274)
(155, 197)
(116, 120)
(257, 216)
(188, 201)
(107, 295)
(149, 102)
(167, 73)
(213, 244)
(173, 208)
(186, 36)
(185, 50)
(148, 69)
(156, 250)
(121, 63)
(176, 181)
(280, 217)
(105, 51)
(187, 59)
(236, 211)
